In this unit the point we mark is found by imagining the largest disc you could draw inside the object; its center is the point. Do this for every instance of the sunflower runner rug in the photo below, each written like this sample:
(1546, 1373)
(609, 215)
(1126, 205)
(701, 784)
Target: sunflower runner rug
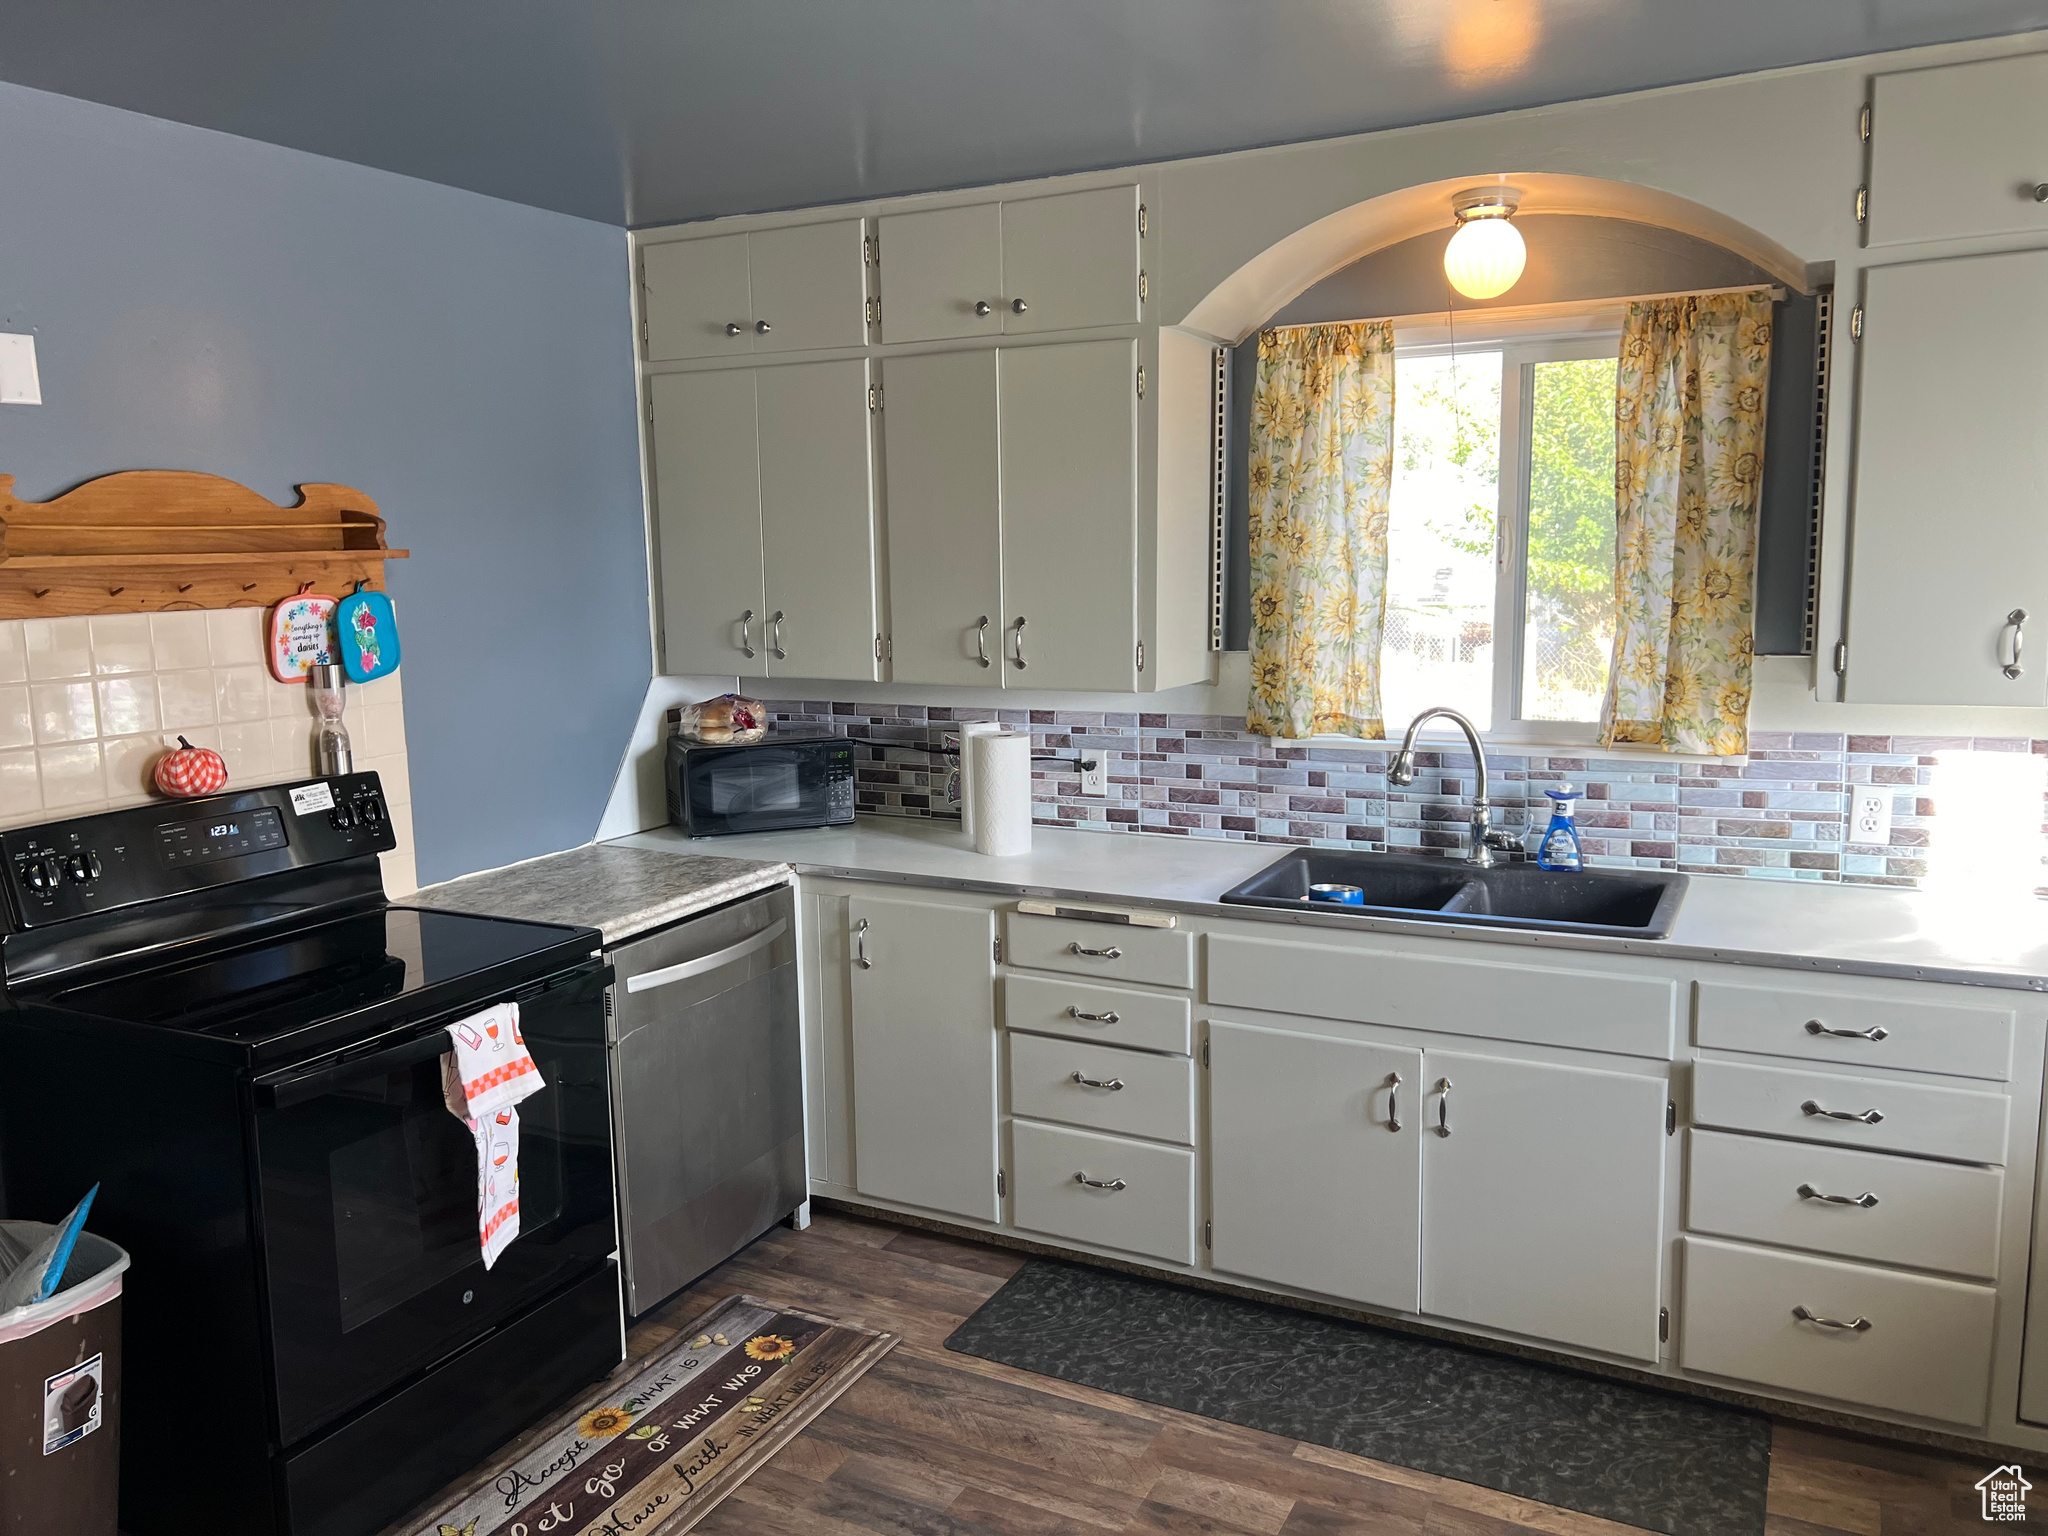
(659, 1449)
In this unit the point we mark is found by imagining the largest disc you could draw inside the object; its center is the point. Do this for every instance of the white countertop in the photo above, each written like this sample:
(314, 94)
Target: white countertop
(1806, 925)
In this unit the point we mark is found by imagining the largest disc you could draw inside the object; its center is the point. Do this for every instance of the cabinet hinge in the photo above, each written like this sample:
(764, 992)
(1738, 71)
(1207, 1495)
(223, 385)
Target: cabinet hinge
(875, 310)
(1002, 1184)
(1856, 323)
(1144, 286)
(1670, 1117)
(1205, 1051)
(1144, 221)
(1863, 125)
(1141, 381)
(1208, 1234)
(1141, 655)
(1862, 204)
(1663, 1325)
(643, 331)
(874, 398)
(870, 251)
(1841, 658)
(608, 1005)
(878, 645)
(999, 951)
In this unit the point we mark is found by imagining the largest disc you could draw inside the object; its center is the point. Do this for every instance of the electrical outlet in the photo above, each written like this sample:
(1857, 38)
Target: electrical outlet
(1095, 780)
(1870, 815)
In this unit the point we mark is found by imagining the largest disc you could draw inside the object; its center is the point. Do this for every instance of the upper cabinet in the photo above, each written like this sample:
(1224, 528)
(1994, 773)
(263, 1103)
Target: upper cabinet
(1066, 262)
(796, 289)
(1960, 151)
(1948, 559)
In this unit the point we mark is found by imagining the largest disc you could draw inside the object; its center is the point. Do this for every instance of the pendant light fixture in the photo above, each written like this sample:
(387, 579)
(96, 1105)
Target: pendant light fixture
(1485, 256)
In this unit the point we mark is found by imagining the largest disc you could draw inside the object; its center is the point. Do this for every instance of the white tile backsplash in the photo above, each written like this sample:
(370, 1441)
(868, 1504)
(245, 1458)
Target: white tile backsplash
(87, 706)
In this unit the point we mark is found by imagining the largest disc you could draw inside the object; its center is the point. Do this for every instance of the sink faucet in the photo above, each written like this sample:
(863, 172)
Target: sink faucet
(1485, 841)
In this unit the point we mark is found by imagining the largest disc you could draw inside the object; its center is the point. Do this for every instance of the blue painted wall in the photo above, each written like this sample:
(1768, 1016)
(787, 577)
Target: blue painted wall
(206, 302)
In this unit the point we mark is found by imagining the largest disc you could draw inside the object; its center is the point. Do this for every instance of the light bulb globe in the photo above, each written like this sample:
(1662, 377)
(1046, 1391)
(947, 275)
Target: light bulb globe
(1485, 257)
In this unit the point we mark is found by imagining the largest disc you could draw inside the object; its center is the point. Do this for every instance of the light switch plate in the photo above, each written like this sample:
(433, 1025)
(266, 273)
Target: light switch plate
(19, 383)
(1870, 814)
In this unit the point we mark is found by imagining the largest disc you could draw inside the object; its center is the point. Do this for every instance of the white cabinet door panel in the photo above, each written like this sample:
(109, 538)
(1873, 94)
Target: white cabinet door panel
(808, 287)
(1070, 515)
(937, 266)
(707, 494)
(924, 1055)
(1310, 1183)
(945, 549)
(1071, 260)
(817, 519)
(691, 290)
(1543, 1209)
(1958, 150)
(1950, 528)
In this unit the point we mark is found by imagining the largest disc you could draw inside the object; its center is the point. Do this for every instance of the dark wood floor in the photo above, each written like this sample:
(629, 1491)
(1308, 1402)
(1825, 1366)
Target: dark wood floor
(937, 1444)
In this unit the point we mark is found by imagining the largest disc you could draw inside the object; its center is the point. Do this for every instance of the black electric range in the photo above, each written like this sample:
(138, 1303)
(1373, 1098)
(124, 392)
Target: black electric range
(212, 1010)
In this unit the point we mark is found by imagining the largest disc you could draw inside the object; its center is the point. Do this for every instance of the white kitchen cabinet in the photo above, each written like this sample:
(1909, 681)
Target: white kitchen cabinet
(1543, 1200)
(924, 1054)
(799, 288)
(764, 500)
(1023, 266)
(1315, 1159)
(1959, 150)
(945, 520)
(1948, 540)
(707, 489)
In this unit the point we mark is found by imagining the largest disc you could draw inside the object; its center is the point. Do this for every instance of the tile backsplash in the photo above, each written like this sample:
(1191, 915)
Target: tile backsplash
(87, 706)
(1784, 813)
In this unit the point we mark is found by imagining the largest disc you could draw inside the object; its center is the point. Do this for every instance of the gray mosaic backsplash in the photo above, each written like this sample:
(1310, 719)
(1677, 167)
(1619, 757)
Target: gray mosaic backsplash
(1783, 814)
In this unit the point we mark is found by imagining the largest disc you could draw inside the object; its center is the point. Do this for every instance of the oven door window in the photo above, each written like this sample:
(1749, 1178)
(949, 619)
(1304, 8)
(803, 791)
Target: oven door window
(369, 1207)
(756, 789)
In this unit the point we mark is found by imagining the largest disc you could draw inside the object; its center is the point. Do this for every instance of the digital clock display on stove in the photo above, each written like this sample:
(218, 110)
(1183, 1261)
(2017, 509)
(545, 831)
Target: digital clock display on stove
(219, 837)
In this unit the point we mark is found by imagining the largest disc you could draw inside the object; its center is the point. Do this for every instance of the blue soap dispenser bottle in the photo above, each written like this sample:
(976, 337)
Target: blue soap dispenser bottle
(1560, 846)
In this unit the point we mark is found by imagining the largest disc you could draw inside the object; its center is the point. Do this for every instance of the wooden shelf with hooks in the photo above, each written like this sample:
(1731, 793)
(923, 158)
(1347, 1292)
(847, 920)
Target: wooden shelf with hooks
(153, 540)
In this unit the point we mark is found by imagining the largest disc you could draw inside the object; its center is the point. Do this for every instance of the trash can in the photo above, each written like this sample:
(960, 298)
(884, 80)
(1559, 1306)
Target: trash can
(60, 1397)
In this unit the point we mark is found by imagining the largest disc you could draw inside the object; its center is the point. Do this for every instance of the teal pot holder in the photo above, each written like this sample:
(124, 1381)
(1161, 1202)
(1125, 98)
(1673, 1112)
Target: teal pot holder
(369, 635)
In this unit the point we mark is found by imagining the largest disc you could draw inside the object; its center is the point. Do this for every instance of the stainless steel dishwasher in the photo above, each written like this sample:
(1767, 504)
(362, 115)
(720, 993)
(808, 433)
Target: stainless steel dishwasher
(707, 1090)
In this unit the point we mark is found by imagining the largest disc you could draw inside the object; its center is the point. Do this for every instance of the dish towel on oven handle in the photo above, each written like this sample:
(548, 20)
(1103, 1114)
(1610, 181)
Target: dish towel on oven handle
(482, 1078)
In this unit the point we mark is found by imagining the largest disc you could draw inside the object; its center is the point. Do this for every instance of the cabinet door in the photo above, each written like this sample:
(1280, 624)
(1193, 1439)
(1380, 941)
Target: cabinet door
(817, 520)
(1543, 1209)
(1948, 534)
(707, 499)
(937, 266)
(691, 290)
(808, 287)
(1959, 150)
(1315, 1162)
(1070, 515)
(939, 463)
(1071, 260)
(924, 1054)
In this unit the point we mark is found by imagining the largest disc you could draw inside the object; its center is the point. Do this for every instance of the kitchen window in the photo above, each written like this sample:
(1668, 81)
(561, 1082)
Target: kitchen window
(1500, 542)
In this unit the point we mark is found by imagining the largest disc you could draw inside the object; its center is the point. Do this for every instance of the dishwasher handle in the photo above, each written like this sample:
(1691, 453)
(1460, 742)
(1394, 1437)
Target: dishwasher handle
(648, 980)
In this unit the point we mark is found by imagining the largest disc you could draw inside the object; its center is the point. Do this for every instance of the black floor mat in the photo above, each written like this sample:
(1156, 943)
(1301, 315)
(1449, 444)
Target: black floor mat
(1648, 1458)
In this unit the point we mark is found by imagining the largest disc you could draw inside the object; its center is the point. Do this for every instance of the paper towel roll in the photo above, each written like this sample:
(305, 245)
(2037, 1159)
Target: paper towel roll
(1002, 792)
(967, 731)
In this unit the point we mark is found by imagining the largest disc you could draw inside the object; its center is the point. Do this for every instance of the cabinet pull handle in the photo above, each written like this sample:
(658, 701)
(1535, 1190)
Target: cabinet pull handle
(983, 308)
(775, 636)
(1110, 1184)
(860, 946)
(1867, 1117)
(747, 634)
(1443, 1106)
(761, 327)
(2016, 621)
(1854, 1325)
(1111, 953)
(1018, 660)
(1113, 1085)
(981, 641)
(1875, 1032)
(732, 327)
(1018, 306)
(1093, 1018)
(1865, 1200)
(1393, 1101)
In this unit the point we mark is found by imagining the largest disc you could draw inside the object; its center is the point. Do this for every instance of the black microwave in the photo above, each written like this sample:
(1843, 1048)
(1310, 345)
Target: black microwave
(784, 780)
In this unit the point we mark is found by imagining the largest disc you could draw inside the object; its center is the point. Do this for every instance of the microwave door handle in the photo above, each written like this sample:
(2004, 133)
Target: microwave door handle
(647, 980)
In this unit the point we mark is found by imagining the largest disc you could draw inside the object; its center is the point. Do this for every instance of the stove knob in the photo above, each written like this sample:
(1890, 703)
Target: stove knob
(77, 869)
(370, 812)
(92, 866)
(341, 818)
(34, 876)
(53, 869)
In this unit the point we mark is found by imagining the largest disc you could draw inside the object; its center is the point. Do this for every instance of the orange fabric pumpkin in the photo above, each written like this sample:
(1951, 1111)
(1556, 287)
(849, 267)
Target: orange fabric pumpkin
(188, 771)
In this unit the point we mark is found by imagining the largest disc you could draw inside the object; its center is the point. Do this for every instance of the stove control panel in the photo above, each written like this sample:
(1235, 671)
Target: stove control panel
(100, 863)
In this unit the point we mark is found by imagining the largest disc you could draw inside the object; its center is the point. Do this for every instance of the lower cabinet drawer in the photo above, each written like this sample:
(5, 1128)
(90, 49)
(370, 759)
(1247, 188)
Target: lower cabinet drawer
(1892, 1114)
(1151, 1021)
(1141, 1198)
(1160, 957)
(1861, 1205)
(1103, 1088)
(1924, 1349)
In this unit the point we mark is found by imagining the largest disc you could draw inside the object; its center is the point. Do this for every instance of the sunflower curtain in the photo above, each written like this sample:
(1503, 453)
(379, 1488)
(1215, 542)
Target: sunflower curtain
(1321, 467)
(1688, 472)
